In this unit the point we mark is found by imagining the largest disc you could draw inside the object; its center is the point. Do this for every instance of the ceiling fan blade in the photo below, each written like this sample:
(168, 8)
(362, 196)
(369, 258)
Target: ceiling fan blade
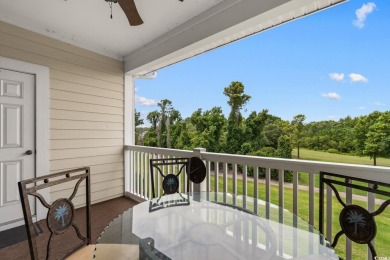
(128, 6)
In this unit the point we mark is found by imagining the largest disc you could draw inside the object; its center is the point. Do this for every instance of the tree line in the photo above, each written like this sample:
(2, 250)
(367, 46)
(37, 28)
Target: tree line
(261, 133)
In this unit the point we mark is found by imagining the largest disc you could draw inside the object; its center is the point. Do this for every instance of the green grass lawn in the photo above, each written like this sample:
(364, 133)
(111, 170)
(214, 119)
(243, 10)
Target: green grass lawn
(306, 154)
(358, 252)
(338, 158)
(382, 222)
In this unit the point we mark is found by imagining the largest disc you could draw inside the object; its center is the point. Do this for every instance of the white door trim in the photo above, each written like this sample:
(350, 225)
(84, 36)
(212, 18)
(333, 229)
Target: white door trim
(42, 125)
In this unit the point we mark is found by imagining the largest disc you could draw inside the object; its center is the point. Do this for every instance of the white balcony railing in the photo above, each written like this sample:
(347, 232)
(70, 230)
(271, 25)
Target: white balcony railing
(231, 177)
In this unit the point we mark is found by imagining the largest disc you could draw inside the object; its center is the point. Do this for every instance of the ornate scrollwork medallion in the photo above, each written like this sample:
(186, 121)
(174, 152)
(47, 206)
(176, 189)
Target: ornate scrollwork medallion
(60, 216)
(357, 224)
(170, 184)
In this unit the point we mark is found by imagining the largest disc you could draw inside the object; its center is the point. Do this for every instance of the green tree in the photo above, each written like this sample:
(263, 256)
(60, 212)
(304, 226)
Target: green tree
(236, 100)
(165, 109)
(175, 127)
(298, 125)
(138, 120)
(285, 151)
(173, 116)
(150, 138)
(159, 134)
(153, 118)
(254, 126)
(180, 135)
(273, 129)
(361, 130)
(210, 126)
(198, 120)
(320, 135)
(344, 134)
(378, 138)
(284, 147)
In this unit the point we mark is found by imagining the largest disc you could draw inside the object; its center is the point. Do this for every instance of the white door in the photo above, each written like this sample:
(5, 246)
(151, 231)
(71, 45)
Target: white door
(17, 140)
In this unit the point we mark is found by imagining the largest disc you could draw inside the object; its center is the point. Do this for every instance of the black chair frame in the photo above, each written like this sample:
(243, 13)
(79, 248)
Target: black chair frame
(353, 213)
(158, 164)
(57, 209)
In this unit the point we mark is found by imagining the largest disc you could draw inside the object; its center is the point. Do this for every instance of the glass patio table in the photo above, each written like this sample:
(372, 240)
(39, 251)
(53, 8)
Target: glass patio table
(211, 226)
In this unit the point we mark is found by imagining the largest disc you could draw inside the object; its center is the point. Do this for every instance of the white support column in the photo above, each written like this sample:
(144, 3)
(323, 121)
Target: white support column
(129, 134)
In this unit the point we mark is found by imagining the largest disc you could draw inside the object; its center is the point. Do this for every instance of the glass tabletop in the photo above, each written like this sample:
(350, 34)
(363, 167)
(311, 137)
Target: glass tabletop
(212, 226)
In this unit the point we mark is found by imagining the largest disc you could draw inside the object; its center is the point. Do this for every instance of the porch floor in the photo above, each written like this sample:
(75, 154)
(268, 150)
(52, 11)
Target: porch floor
(101, 215)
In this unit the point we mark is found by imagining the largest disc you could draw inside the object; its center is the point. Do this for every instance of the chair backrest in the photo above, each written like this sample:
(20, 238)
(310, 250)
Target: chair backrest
(356, 222)
(171, 171)
(60, 218)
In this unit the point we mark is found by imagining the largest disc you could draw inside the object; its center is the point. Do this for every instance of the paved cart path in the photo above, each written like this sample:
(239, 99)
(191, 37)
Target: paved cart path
(301, 187)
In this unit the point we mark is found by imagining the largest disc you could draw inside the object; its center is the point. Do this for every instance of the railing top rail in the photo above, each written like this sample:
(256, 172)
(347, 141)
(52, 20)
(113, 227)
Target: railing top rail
(157, 150)
(375, 173)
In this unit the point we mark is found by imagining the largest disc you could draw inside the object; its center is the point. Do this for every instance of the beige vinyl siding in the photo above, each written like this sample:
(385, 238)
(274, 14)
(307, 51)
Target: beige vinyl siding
(75, 106)
(85, 116)
(86, 108)
(84, 143)
(58, 165)
(99, 180)
(81, 134)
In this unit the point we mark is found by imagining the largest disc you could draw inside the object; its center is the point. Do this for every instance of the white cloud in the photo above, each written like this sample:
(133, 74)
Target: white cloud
(361, 14)
(135, 89)
(362, 108)
(143, 101)
(357, 78)
(331, 95)
(336, 76)
(379, 104)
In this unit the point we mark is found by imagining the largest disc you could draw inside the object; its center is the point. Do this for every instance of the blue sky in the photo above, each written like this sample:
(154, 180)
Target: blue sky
(327, 66)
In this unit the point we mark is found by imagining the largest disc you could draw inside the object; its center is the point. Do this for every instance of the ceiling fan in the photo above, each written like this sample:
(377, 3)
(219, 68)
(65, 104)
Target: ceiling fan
(130, 9)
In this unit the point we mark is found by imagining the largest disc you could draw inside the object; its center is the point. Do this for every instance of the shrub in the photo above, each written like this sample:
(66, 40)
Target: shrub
(269, 152)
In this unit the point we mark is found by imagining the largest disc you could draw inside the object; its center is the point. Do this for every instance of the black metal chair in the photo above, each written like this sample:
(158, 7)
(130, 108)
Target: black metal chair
(356, 222)
(170, 181)
(193, 167)
(60, 224)
(171, 171)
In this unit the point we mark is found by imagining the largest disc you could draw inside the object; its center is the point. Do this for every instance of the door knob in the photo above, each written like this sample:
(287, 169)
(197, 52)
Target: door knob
(29, 152)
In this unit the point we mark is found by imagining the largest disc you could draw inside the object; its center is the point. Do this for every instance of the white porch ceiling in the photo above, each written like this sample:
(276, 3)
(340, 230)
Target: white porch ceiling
(172, 30)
